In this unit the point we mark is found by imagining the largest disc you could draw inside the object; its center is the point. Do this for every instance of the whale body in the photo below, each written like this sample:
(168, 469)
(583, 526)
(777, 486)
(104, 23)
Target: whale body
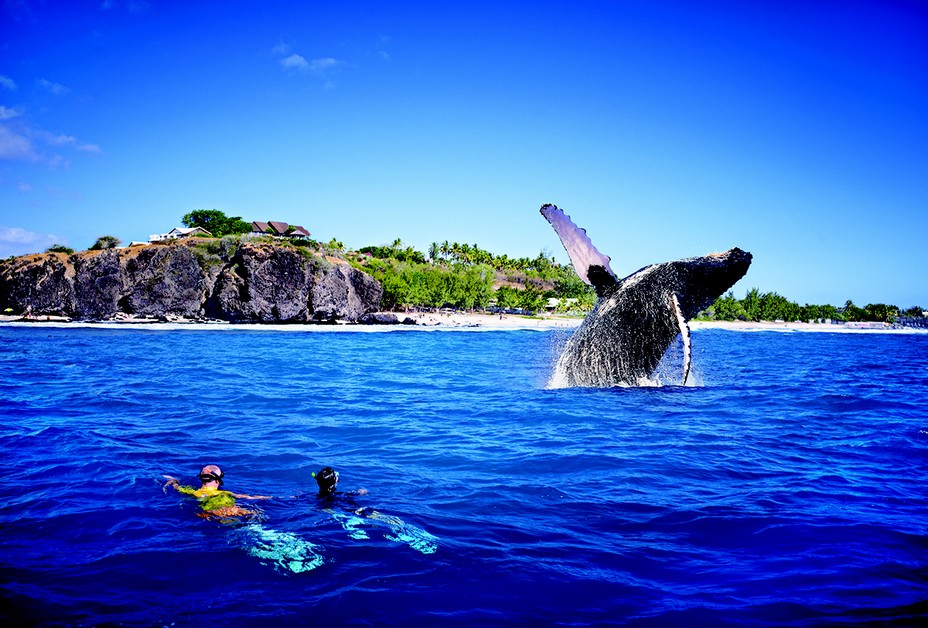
(622, 340)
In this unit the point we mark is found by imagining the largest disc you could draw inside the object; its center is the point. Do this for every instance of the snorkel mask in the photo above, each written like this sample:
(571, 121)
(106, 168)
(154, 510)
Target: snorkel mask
(212, 477)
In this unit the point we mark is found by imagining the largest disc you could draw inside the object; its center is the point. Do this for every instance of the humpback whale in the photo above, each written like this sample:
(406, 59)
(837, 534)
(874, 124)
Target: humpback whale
(622, 340)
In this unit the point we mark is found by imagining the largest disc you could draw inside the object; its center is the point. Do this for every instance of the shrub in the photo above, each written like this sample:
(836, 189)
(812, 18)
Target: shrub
(106, 242)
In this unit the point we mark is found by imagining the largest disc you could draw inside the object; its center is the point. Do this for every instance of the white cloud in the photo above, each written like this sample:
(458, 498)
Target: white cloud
(319, 66)
(18, 241)
(25, 188)
(55, 88)
(15, 145)
(382, 42)
(298, 62)
(281, 49)
(59, 140)
(68, 140)
(8, 114)
(7, 83)
(295, 61)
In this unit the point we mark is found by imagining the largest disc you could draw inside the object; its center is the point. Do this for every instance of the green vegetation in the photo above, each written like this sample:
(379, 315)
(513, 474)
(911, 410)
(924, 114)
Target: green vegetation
(770, 306)
(216, 222)
(59, 248)
(466, 276)
(105, 242)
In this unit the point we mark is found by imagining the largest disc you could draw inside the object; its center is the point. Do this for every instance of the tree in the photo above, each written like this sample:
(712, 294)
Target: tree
(881, 312)
(531, 299)
(751, 304)
(106, 242)
(852, 313)
(774, 307)
(728, 308)
(59, 248)
(216, 222)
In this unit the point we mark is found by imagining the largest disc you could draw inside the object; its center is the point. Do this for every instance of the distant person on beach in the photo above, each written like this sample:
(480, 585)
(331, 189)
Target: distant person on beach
(214, 502)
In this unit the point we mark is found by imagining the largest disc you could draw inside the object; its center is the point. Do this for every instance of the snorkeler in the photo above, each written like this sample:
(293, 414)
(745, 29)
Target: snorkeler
(353, 519)
(283, 551)
(327, 479)
(214, 502)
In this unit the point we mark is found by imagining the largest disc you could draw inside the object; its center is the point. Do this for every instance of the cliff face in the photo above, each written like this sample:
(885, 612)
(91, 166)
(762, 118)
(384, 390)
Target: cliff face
(250, 282)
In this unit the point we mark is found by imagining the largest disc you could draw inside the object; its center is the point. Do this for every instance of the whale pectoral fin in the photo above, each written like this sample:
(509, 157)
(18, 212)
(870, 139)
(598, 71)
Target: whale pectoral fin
(684, 334)
(591, 265)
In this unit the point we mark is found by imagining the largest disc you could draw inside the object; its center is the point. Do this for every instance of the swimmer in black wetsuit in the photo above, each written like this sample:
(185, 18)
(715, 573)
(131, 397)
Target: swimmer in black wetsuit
(349, 515)
(327, 479)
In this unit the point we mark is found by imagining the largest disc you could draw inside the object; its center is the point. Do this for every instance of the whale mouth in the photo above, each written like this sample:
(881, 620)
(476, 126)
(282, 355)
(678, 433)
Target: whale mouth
(736, 253)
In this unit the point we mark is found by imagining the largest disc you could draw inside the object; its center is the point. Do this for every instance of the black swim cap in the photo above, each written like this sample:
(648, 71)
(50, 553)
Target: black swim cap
(326, 478)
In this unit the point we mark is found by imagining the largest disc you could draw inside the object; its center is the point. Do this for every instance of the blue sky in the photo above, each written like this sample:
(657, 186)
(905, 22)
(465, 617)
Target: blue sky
(795, 130)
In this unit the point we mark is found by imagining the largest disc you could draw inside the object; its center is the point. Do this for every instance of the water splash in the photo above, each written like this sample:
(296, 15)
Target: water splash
(675, 368)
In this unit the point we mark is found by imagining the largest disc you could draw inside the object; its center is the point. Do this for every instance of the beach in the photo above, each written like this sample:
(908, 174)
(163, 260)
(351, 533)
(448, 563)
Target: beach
(496, 321)
(466, 320)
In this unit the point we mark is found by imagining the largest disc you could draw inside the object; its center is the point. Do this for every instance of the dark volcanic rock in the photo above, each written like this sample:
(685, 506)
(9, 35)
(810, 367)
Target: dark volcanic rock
(99, 284)
(253, 282)
(265, 284)
(342, 292)
(165, 281)
(385, 318)
(379, 318)
(40, 283)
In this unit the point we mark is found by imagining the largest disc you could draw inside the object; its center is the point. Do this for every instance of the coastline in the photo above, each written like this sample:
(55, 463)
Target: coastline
(453, 320)
(831, 328)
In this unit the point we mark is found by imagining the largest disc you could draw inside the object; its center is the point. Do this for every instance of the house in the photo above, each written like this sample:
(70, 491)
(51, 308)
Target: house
(180, 232)
(278, 229)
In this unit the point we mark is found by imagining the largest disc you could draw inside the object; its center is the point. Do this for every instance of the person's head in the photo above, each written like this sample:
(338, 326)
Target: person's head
(327, 479)
(211, 473)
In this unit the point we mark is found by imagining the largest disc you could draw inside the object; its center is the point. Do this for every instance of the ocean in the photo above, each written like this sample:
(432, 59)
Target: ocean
(785, 488)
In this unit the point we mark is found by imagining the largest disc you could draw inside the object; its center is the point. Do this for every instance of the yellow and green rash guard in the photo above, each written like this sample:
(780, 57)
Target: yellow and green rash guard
(210, 498)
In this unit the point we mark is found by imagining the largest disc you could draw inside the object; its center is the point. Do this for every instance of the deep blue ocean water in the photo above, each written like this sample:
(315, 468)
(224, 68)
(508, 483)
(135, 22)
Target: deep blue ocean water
(787, 489)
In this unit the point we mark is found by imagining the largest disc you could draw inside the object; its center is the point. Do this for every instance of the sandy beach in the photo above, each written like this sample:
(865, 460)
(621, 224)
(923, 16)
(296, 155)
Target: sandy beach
(496, 321)
(459, 320)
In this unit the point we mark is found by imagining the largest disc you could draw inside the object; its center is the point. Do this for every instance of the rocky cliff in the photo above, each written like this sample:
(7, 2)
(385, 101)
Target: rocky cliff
(248, 282)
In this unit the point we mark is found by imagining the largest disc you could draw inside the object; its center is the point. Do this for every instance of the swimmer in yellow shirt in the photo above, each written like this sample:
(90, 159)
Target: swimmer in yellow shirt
(214, 502)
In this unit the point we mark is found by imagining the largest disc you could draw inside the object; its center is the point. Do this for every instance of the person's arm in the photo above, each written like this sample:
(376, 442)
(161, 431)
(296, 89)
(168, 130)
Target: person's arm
(242, 496)
(175, 484)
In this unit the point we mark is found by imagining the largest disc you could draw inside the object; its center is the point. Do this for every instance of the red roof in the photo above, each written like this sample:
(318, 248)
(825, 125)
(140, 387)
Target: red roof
(280, 228)
(275, 227)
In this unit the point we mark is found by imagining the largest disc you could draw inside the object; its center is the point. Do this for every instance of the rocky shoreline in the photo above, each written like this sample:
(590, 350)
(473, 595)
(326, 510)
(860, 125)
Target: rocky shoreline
(189, 280)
